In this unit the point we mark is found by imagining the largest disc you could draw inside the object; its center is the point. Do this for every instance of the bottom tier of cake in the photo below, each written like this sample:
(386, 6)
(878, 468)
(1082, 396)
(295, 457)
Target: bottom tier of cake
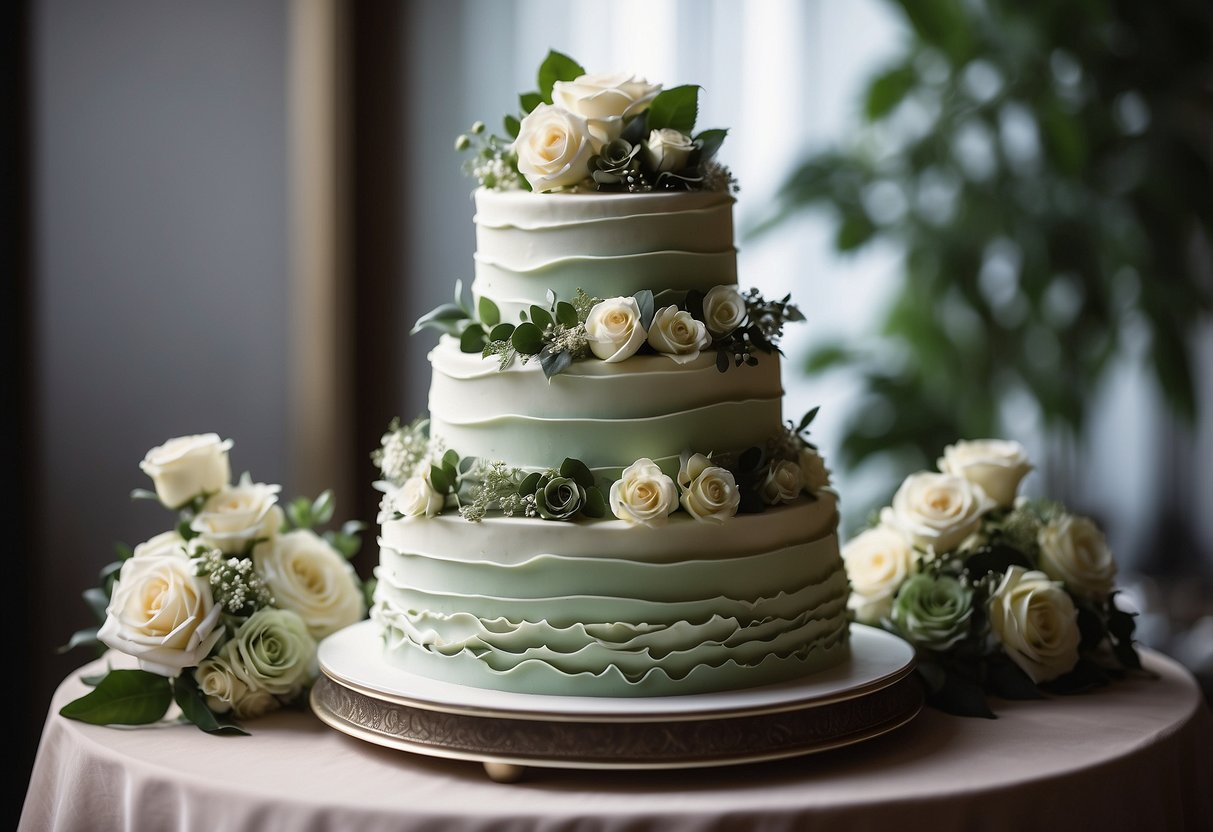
(608, 609)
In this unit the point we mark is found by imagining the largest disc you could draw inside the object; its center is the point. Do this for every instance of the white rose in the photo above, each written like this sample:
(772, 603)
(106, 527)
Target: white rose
(554, 148)
(723, 310)
(219, 684)
(239, 515)
(614, 329)
(783, 483)
(678, 335)
(938, 510)
(187, 467)
(162, 614)
(667, 149)
(418, 498)
(994, 465)
(709, 492)
(165, 543)
(877, 561)
(1073, 550)
(814, 475)
(643, 494)
(308, 576)
(1036, 622)
(605, 101)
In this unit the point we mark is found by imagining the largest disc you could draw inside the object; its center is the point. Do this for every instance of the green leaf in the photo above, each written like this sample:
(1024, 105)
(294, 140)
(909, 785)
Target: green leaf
(807, 419)
(124, 697)
(184, 529)
(323, 507)
(110, 570)
(566, 314)
(997, 558)
(855, 230)
(554, 363)
(81, 638)
(675, 108)
(529, 101)
(459, 298)
(648, 308)
(960, 697)
(123, 551)
(143, 494)
(445, 318)
(344, 542)
(501, 332)
(529, 483)
(1005, 679)
(887, 91)
(577, 471)
(97, 600)
(541, 317)
(490, 315)
(450, 458)
(527, 339)
(472, 340)
(193, 706)
(299, 512)
(709, 142)
(94, 679)
(512, 126)
(557, 67)
(439, 479)
(595, 504)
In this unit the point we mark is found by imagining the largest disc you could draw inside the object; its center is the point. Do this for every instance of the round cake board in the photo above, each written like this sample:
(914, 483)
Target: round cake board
(869, 694)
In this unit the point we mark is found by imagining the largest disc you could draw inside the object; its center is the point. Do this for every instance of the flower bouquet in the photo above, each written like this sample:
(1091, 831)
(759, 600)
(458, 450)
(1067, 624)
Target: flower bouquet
(1000, 595)
(223, 612)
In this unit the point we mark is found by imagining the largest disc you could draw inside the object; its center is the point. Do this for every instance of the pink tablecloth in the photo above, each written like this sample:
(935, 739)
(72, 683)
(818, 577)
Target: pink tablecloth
(1136, 755)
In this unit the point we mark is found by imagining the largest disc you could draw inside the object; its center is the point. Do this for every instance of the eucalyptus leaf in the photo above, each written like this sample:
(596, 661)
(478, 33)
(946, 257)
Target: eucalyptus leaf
(541, 317)
(472, 340)
(111, 570)
(451, 458)
(527, 339)
(123, 697)
(344, 542)
(123, 551)
(709, 142)
(577, 471)
(299, 512)
(323, 507)
(595, 505)
(97, 600)
(722, 360)
(550, 294)
(490, 315)
(439, 480)
(693, 303)
(193, 707)
(644, 300)
(566, 314)
(459, 297)
(554, 363)
(143, 494)
(529, 483)
(446, 318)
(675, 108)
(501, 332)
(556, 67)
(94, 679)
(86, 637)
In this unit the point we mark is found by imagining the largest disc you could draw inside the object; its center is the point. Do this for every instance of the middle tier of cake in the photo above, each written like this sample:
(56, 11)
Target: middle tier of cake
(608, 609)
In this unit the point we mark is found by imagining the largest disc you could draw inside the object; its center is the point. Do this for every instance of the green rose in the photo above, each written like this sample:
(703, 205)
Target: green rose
(933, 612)
(558, 498)
(617, 163)
(273, 652)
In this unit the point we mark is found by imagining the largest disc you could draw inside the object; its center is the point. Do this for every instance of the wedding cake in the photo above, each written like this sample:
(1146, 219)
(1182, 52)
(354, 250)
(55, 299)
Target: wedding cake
(605, 499)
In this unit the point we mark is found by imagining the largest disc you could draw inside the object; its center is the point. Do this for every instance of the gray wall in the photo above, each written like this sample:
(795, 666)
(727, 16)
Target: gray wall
(159, 269)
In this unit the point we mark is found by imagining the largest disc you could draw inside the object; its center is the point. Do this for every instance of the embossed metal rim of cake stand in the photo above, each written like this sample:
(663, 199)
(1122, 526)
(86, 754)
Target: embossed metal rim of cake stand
(872, 693)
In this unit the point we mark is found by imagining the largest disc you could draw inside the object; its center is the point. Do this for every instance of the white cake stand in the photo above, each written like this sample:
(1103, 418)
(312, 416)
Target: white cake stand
(871, 693)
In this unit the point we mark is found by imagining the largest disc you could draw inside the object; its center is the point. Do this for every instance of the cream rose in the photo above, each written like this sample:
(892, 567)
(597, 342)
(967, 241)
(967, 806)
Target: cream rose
(678, 335)
(418, 498)
(996, 466)
(723, 310)
(162, 614)
(643, 494)
(187, 467)
(667, 149)
(709, 492)
(605, 101)
(239, 515)
(938, 510)
(1073, 550)
(219, 684)
(614, 329)
(1036, 622)
(554, 148)
(814, 475)
(308, 576)
(877, 561)
(165, 543)
(783, 483)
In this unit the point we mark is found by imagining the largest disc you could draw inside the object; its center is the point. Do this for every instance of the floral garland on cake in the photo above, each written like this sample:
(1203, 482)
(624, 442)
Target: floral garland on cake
(1000, 595)
(598, 132)
(679, 325)
(223, 612)
(420, 478)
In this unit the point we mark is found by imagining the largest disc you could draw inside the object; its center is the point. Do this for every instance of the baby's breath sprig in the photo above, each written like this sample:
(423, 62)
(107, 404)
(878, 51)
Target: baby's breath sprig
(493, 163)
(235, 584)
(495, 488)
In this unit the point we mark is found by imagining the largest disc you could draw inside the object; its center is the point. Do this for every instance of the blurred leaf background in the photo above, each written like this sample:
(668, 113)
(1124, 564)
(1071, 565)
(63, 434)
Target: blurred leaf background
(1047, 170)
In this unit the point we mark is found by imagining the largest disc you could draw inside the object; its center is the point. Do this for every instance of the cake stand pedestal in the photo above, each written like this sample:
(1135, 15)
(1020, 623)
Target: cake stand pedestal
(871, 693)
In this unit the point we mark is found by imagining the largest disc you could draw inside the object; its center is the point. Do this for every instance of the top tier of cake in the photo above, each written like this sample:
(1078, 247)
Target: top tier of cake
(605, 244)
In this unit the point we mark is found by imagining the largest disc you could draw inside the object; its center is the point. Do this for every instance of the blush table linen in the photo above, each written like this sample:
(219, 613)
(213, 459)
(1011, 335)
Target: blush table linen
(1134, 755)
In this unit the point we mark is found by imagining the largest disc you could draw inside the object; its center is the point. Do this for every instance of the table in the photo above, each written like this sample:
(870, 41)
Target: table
(1137, 754)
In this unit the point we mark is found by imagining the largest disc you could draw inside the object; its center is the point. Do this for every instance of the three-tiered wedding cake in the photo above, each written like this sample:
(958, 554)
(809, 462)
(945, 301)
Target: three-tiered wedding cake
(637, 519)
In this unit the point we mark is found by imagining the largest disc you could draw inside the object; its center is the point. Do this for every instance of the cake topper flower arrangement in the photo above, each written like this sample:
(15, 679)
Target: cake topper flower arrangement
(598, 132)
(223, 612)
(1000, 595)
